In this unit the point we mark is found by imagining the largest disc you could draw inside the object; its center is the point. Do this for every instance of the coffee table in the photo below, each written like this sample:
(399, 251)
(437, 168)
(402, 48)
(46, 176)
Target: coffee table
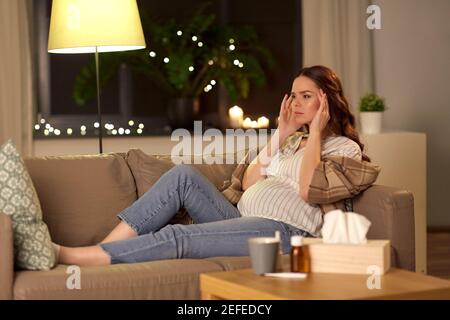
(243, 284)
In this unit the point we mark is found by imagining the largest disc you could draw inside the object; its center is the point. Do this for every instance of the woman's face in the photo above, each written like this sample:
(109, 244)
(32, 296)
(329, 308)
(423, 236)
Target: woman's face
(305, 100)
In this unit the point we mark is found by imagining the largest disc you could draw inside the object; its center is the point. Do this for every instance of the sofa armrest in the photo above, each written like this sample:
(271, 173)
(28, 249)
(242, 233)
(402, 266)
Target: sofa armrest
(391, 212)
(6, 257)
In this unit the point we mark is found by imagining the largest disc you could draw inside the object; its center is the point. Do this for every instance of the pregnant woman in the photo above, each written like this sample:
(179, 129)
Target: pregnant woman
(275, 186)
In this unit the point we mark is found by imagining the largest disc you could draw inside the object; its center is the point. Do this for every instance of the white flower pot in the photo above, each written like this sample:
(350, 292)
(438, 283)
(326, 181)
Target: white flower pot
(371, 122)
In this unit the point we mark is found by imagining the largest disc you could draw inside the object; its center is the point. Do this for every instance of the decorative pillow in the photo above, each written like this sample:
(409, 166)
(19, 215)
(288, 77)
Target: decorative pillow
(33, 249)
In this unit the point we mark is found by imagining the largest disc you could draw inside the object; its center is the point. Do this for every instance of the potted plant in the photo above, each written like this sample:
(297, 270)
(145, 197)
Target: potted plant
(371, 108)
(186, 60)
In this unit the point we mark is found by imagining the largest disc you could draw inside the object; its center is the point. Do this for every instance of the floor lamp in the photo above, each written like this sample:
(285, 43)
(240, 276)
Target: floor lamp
(94, 26)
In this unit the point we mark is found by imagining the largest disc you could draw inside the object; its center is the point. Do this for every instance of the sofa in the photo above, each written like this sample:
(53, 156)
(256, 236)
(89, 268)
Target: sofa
(81, 195)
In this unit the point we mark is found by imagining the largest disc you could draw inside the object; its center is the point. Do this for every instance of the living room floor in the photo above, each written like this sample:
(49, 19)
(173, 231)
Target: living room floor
(438, 248)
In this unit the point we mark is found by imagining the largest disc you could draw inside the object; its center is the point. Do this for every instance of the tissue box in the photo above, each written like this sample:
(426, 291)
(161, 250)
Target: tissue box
(349, 258)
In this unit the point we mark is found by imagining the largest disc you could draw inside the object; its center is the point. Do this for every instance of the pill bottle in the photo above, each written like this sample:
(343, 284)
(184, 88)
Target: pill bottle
(300, 259)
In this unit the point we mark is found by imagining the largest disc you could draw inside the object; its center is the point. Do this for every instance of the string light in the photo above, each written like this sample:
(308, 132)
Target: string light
(166, 60)
(42, 121)
(194, 38)
(179, 33)
(213, 82)
(210, 62)
(200, 44)
(152, 54)
(236, 62)
(191, 68)
(49, 129)
(231, 40)
(231, 47)
(241, 65)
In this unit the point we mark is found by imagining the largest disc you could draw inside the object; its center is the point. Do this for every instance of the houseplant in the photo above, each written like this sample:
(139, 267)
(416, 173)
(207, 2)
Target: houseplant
(186, 60)
(371, 108)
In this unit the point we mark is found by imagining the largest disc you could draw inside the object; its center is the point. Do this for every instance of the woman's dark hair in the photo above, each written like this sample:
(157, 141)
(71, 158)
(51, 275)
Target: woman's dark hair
(342, 121)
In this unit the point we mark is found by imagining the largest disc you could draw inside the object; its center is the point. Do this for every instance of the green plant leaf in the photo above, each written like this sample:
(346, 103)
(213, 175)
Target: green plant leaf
(174, 78)
(371, 102)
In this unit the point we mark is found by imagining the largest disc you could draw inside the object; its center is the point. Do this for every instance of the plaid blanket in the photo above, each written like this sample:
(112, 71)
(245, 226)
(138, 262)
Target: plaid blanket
(335, 181)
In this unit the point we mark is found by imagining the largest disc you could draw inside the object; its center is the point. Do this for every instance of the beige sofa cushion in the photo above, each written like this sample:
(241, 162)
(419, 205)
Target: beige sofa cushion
(82, 195)
(165, 279)
(147, 169)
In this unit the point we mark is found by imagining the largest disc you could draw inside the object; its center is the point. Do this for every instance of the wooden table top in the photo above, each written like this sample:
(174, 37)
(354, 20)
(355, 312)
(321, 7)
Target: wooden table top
(243, 284)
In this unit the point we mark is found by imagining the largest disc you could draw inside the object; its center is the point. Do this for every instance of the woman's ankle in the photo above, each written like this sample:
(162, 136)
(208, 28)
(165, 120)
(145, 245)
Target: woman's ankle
(121, 232)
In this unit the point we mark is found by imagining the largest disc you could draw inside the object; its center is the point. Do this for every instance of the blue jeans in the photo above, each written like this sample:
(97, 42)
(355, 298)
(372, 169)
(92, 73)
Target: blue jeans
(218, 229)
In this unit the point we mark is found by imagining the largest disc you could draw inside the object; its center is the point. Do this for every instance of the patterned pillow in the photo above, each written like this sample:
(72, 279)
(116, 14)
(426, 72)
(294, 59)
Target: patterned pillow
(33, 248)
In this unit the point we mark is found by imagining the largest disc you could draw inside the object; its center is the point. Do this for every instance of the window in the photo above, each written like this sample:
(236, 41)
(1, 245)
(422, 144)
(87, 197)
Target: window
(132, 97)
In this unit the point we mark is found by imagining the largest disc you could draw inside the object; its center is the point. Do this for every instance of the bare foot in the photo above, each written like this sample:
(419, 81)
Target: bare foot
(84, 256)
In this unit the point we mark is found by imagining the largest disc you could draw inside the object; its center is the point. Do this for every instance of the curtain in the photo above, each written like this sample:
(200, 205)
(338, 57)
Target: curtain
(16, 89)
(335, 35)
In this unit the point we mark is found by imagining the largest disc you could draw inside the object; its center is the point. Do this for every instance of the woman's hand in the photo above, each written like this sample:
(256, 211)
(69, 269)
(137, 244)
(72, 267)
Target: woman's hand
(286, 121)
(322, 115)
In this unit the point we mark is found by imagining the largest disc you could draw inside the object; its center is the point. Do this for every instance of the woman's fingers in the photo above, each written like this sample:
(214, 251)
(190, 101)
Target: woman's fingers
(288, 102)
(287, 108)
(282, 102)
(321, 104)
(284, 111)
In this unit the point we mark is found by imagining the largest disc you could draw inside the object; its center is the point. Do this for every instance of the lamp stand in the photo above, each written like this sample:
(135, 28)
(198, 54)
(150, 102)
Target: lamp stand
(98, 101)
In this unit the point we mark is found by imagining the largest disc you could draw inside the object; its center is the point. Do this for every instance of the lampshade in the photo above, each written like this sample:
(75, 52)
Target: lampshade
(79, 26)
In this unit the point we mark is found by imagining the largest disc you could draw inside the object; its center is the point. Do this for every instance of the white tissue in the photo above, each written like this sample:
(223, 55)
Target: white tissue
(345, 227)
